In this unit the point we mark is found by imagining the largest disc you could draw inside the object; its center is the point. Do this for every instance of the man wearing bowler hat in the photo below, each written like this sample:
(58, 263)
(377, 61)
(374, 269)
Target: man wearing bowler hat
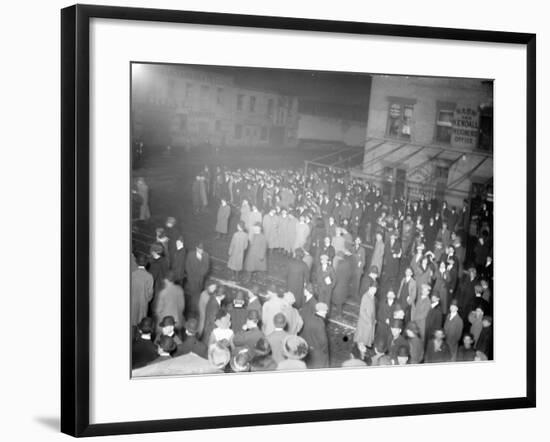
(315, 334)
(166, 347)
(191, 343)
(143, 349)
(250, 333)
(141, 291)
(197, 266)
(397, 340)
(167, 327)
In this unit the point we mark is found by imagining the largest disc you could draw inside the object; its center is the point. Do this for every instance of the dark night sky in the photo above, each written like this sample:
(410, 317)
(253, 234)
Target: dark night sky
(335, 87)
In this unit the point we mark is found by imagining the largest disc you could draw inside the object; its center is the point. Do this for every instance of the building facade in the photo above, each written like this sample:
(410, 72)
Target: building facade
(329, 122)
(431, 136)
(188, 107)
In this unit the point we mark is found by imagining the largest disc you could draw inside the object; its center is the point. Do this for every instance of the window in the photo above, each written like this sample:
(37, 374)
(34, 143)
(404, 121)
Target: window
(252, 104)
(400, 120)
(219, 95)
(444, 123)
(441, 173)
(204, 97)
(240, 99)
(263, 136)
(203, 127)
(486, 129)
(238, 131)
(188, 90)
(170, 87)
(183, 122)
(270, 107)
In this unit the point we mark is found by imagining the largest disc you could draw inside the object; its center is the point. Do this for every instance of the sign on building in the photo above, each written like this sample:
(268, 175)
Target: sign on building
(465, 126)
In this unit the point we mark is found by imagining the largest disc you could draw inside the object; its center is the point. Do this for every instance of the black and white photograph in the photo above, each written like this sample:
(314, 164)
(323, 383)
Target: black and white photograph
(299, 220)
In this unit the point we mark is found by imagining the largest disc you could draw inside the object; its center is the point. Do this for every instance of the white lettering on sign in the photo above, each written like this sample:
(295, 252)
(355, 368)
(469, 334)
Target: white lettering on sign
(465, 126)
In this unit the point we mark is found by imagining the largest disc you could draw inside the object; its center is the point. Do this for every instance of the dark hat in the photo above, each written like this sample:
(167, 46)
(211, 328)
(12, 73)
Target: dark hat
(413, 326)
(253, 315)
(373, 269)
(192, 325)
(454, 301)
(157, 248)
(146, 325)
(279, 320)
(167, 343)
(403, 351)
(397, 323)
(141, 260)
(200, 245)
(309, 287)
(167, 321)
(262, 347)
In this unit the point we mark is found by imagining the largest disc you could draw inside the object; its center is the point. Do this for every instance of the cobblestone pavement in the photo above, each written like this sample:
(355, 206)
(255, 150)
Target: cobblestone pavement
(169, 185)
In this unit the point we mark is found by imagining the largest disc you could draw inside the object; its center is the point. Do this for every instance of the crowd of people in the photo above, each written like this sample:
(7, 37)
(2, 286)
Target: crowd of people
(422, 286)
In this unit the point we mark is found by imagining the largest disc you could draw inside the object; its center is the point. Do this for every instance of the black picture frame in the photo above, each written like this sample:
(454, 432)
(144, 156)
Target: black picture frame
(75, 211)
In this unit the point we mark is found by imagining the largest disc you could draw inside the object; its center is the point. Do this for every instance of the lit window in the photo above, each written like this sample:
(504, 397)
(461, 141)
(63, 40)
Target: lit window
(444, 123)
(400, 120)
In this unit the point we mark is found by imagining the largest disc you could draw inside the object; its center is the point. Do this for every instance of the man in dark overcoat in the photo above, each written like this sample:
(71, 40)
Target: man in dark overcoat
(197, 266)
(434, 320)
(315, 334)
(297, 274)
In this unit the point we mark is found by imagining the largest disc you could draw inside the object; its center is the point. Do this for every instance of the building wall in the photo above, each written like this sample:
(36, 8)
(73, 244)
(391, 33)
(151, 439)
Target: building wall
(428, 164)
(190, 107)
(326, 129)
(424, 94)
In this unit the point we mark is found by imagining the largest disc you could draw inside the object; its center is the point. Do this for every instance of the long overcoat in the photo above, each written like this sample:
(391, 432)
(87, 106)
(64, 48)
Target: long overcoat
(367, 320)
(255, 260)
(237, 247)
(271, 230)
(196, 270)
(297, 274)
(141, 293)
(344, 277)
(170, 302)
(378, 255)
(453, 332)
(325, 286)
(315, 334)
(222, 220)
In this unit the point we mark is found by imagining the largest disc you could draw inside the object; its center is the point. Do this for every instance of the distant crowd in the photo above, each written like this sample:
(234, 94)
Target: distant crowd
(419, 271)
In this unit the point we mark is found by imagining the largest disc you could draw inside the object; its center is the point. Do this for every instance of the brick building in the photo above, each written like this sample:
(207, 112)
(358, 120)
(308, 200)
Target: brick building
(186, 106)
(431, 136)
